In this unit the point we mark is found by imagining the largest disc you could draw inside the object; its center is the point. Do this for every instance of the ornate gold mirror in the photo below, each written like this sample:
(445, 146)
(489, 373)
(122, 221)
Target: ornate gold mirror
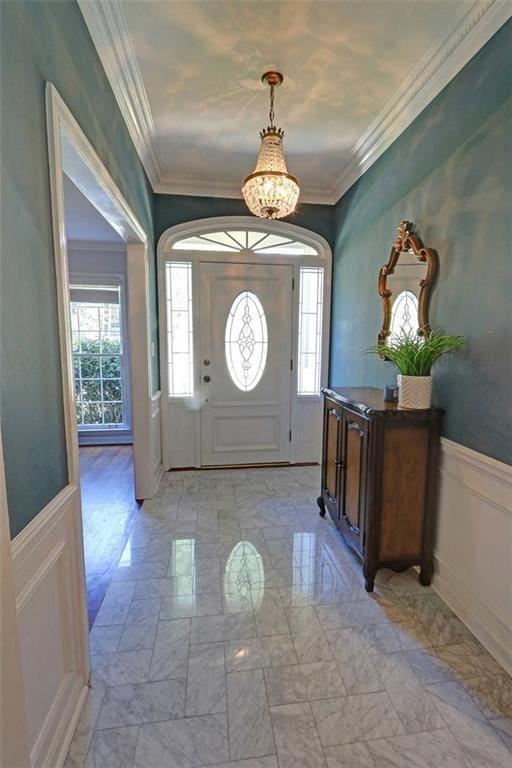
(405, 283)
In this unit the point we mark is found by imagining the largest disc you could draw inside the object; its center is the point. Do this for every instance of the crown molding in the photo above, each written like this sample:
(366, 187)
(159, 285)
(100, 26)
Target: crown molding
(107, 26)
(182, 186)
(172, 185)
(470, 29)
(475, 23)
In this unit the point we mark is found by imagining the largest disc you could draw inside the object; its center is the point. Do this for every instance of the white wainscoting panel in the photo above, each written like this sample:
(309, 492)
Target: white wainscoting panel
(473, 554)
(180, 435)
(156, 440)
(48, 579)
(307, 429)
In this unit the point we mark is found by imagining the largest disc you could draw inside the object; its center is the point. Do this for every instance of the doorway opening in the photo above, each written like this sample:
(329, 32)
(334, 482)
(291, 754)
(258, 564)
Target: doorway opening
(97, 270)
(244, 318)
(101, 264)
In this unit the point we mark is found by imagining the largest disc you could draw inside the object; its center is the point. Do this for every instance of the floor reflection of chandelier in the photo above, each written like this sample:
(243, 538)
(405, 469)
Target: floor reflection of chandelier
(270, 191)
(244, 577)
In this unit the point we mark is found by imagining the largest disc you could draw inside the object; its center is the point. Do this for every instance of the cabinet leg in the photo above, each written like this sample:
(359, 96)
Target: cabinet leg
(369, 578)
(321, 506)
(426, 571)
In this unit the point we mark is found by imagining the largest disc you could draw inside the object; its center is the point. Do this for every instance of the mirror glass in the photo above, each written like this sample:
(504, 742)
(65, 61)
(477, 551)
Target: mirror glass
(404, 284)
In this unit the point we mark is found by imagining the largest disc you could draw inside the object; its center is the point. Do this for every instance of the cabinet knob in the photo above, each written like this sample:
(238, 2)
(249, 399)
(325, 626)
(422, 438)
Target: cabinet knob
(206, 378)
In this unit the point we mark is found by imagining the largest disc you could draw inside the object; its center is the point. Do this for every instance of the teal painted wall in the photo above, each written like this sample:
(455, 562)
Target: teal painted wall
(450, 173)
(177, 209)
(43, 41)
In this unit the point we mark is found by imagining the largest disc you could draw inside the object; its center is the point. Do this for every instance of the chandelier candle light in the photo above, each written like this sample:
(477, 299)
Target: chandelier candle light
(270, 191)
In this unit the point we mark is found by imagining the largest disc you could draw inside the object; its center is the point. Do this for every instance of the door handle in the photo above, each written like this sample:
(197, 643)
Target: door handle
(206, 378)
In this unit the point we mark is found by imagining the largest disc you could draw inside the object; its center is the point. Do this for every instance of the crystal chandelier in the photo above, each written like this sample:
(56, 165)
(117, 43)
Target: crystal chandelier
(269, 191)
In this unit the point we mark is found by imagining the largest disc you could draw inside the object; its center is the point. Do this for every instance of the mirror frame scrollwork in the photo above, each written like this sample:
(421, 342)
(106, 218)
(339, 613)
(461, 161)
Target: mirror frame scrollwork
(407, 241)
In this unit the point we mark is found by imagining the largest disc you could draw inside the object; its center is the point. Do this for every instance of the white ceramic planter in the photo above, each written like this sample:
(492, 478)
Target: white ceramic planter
(414, 391)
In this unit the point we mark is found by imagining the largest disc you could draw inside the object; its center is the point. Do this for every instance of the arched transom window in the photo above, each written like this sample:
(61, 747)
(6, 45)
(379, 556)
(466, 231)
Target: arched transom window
(233, 240)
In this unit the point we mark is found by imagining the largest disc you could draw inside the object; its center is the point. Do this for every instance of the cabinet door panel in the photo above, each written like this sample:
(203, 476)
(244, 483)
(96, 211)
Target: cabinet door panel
(355, 440)
(331, 457)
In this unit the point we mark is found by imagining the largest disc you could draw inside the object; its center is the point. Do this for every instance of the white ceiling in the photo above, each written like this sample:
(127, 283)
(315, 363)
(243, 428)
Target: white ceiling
(201, 64)
(83, 221)
(186, 74)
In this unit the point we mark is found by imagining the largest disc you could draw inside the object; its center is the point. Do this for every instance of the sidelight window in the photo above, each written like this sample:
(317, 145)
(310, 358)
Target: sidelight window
(310, 330)
(180, 348)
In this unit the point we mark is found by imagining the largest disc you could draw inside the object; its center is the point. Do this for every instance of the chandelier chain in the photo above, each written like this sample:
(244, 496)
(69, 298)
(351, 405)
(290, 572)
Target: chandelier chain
(271, 113)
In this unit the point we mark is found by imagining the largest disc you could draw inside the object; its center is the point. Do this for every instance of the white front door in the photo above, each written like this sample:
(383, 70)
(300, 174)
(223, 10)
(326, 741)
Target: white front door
(245, 361)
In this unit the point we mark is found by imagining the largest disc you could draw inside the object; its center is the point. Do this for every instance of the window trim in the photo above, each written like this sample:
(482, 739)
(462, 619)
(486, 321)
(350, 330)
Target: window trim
(99, 280)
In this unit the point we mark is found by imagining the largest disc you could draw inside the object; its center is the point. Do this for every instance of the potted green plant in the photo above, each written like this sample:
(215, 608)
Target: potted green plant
(414, 356)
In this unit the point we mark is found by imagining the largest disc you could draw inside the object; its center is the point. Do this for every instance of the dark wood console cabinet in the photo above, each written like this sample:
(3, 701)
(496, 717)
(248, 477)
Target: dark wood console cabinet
(379, 479)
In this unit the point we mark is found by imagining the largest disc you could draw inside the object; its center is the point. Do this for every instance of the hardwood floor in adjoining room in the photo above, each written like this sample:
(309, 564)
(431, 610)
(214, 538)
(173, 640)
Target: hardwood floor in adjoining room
(108, 511)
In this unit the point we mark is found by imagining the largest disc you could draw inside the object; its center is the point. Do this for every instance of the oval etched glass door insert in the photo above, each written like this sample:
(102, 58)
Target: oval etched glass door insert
(246, 341)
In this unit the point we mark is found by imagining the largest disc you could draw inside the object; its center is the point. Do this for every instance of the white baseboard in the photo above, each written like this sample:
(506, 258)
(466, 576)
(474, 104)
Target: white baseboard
(67, 734)
(105, 439)
(473, 555)
(471, 608)
(48, 576)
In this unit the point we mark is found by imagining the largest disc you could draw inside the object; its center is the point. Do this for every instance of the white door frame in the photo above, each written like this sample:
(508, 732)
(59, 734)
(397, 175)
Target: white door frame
(183, 414)
(71, 152)
(14, 743)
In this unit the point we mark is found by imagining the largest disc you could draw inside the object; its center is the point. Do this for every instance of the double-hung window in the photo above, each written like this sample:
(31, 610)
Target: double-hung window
(98, 356)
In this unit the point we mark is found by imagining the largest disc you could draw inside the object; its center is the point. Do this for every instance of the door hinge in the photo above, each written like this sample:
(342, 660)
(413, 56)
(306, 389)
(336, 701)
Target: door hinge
(290, 436)
(291, 364)
(293, 283)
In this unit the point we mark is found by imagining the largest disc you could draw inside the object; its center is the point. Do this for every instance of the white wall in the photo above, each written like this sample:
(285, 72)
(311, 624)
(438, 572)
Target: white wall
(473, 554)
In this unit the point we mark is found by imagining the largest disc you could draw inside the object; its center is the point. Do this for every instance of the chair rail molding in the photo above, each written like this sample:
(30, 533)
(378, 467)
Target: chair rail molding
(474, 24)
(473, 570)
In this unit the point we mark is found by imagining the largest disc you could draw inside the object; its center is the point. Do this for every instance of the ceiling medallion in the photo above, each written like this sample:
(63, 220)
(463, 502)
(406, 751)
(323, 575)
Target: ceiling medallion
(270, 191)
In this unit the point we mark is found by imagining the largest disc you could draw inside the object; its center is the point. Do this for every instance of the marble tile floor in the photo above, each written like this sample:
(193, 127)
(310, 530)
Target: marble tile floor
(236, 632)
